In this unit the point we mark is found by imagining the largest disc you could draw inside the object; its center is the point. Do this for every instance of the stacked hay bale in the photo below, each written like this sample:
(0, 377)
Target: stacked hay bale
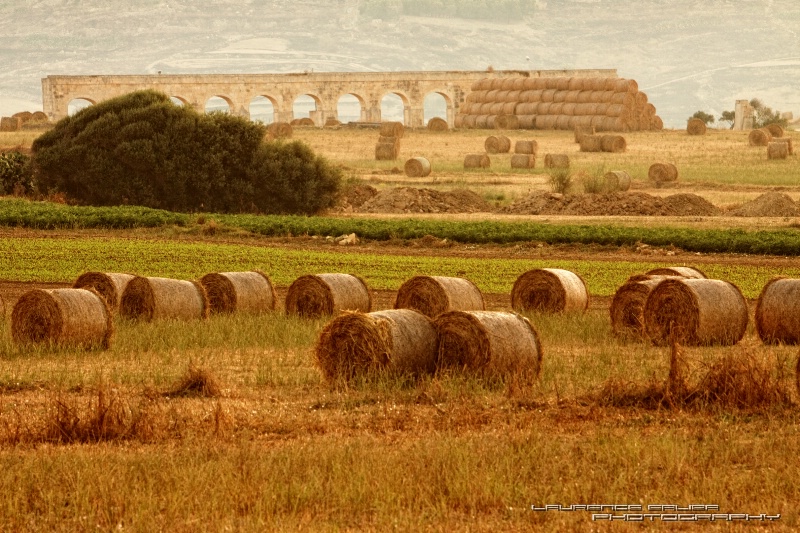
(388, 147)
(605, 104)
(434, 295)
(524, 154)
(759, 137)
(109, 285)
(603, 143)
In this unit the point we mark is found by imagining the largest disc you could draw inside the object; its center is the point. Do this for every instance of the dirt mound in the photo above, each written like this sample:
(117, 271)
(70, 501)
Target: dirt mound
(412, 200)
(354, 196)
(771, 204)
(615, 204)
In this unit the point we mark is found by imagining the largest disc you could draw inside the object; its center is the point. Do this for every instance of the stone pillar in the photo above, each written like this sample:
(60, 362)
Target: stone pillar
(744, 116)
(372, 113)
(414, 117)
(280, 115)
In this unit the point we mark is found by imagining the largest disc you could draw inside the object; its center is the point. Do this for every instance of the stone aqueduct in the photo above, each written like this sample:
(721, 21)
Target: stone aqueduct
(325, 88)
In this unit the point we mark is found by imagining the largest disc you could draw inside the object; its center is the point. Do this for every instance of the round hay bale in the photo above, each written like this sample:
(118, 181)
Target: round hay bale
(417, 167)
(527, 122)
(641, 99)
(497, 144)
(626, 86)
(163, 298)
(657, 124)
(318, 295)
(526, 109)
(617, 180)
(280, 130)
(777, 150)
(546, 122)
(548, 95)
(775, 130)
(526, 147)
(508, 84)
(484, 85)
(392, 129)
(695, 312)
(613, 143)
(575, 84)
(519, 84)
(581, 130)
(549, 290)
(512, 96)
(506, 122)
(788, 142)
(529, 84)
(470, 121)
(395, 341)
(239, 292)
(434, 295)
(109, 285)
(695, 126)
(482, 121)
(305, 121)
(778, 312)
(523, 161)
(564, 122)
(592, 143)
(627, 306)
(569, 108)
(437, 124)
(458, 122)
(562, 84)
(677, 271)
(661, 172)
(626, 99)
(494, 345)
(477, 161)
(62, 317)
(386, 151)
(39, 116)
(331, 122)
(586, 109)
(556, 161)
(760, 137)
(560, 96)
(555, 108)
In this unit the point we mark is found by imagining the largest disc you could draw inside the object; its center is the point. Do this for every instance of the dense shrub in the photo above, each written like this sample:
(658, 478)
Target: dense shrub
(14, 173)
(142, 149)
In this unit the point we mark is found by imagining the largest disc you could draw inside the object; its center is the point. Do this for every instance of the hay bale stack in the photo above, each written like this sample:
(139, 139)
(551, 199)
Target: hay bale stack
(387, 149)
(62, 317)
(110, 285)
(526, 147)
(556, 161)
(318, 295)
(497, 144)
(627, 306)
(759, 137)
(163, 298)
(617, 180)
(778, 312)
(613, 143)
(477, 161)
(395, 341)
(434, 295)
(695, 126)
(775, 130)
(239, 292)
(437, 124)
(549, 290)
(392, 129)
(677, 271)
(662, 172)
(695, 312)
(493, 345)
(506, 121)
(417, 167)
(279, 130)
(523, 161)
(777, 150)
(592, 143)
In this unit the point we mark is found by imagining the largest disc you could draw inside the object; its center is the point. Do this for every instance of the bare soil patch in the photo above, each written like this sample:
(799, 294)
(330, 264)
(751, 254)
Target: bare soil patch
(771, 204)
(412, 200)
(613, 204)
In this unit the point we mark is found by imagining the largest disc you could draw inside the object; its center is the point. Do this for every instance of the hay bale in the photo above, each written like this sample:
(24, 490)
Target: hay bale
(662, 172)
(163, 298)
(62, 317)
(109, 285)
(788, 142)
(279, 130)
(506, 121)
(613, 143)
(39, 116)
(592, 143)
(239, 292)
(760, 137)
(331, 122)
(2, 308)
(778, 311)
(549, 290)
(305, 121)
(437, 124)
(677, 271)
(627, 306)
(556, 161)
(314, 296)
(434, 295)
(395, 341)
(695, 126)
(581, 130)
(523, 161)
(387, 148)
(477, 161)
(493, 345)
(497, 144)
(617, 180)
(527, 122)
(392, 129)
(775, 130)
(526, 147)
(417, 167)
(777, 150)
(10, 124)
(695, 312)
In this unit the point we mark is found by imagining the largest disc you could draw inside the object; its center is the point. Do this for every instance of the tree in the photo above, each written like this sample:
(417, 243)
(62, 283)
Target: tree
(14, 173)
(728, 116)
(705, 117)
(764, 115)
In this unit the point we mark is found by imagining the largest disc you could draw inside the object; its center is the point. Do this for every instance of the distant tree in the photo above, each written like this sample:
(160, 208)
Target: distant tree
(14, 173)
(764, 115)
(705, 117)
(728, 116)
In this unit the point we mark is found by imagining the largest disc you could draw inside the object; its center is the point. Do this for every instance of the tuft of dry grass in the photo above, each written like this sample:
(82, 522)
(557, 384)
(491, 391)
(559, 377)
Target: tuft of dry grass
(197, 382)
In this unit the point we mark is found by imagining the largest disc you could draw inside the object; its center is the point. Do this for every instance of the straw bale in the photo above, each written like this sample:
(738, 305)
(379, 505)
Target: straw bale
(523, 161)
(491, 344)
(482, 85)
(658, 124)
(331, 122)
(586, 109)
(617, 180)
(778, 312)
(529, 84)
(527, 122)
(512, 96)
(695, 312)
(10, 124)
(526, 147)
(549, 290)
(392, 129)
(497, 144)
(477, 161)
(417, 167)
(661, 172)
(543, 108)
(163, 298)
(318, 295)
(239, 292)
(641, 99)
(760, 137)
(556, 161)
(481, 121)
(580, 131)
(305, 121)
(434, 295)
(788, 142)
(526, 109)
(775, 130)
(110, 285)
(571, 97)
(437, 124)
(23, 116)
(548, 94)
(551, 83)
(555, 108)
(625, 86)
(545, 122)
(613, 143)
(506, 122)
(491, 96)
(62, 317)
(519, 84)
(568, 108)
(474, 97)
(540, 83)
(584, 97)
(677, 271)
(395, 341)
(458, 122)
(618, 110)
(627, 306)
(39, 116)
(559, 96)
(777, 150)
(576, 84)
(280, 130)
(490, 121)
(387, 151)
(592, 143)
(695, 126)
(470, 121)
(497, 83)
(562, 84)
(508, 84)
(626, 99)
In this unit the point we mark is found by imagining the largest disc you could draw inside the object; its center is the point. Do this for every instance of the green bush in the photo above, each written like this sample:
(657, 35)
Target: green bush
(14, 173)
(142, 149)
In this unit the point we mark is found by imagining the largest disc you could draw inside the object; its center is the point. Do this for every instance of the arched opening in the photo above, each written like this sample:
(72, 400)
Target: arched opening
(350, 108)
(219, 104)
(262, 109)
(394, 108)
(304, 106)
(177, 100)
(435, 105)
(76, 104)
